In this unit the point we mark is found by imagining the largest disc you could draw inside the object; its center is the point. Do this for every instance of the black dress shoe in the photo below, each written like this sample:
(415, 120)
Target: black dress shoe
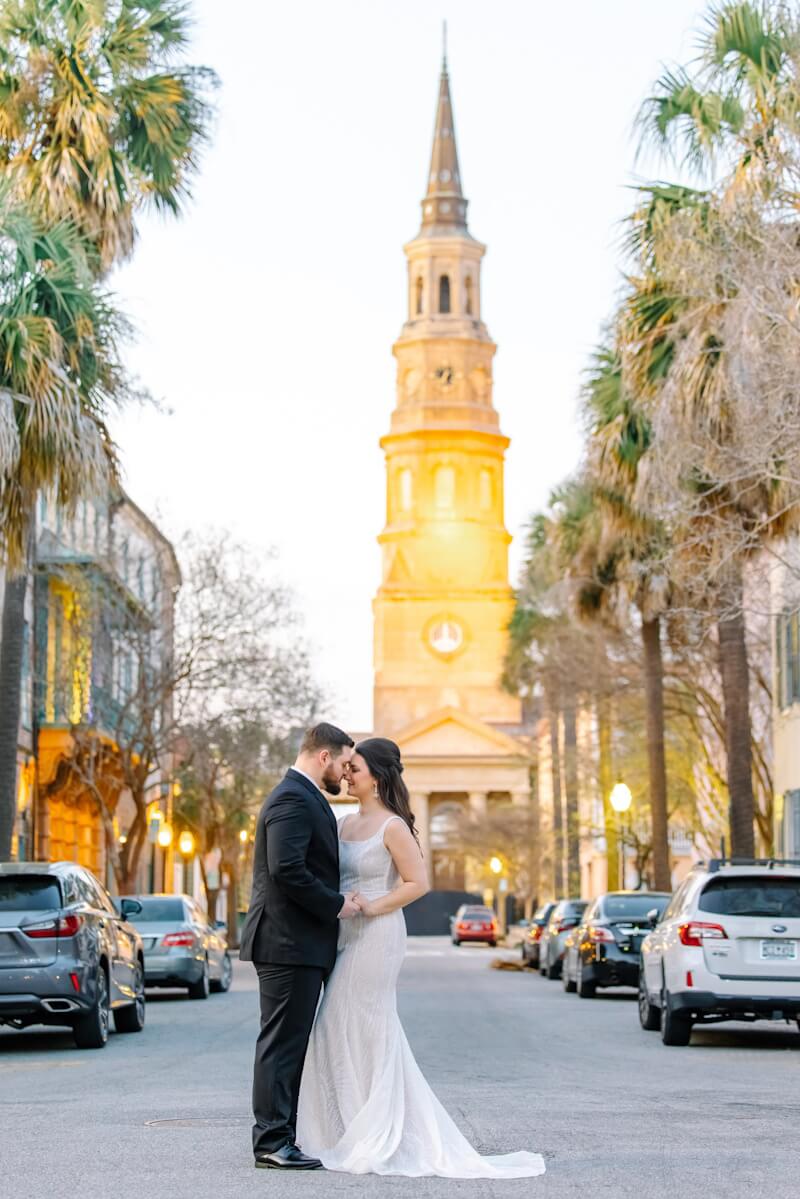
(288, 1157)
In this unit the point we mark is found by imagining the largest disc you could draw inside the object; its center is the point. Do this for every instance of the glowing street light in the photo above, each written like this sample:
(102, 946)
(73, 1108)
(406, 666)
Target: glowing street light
(186, 843)
(243, 835)
(165, 836)
(496, 866)
(620, 797)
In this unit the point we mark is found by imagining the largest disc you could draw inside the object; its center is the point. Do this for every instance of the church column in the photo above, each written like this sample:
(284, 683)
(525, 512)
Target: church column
(420, 808)
(478, 803)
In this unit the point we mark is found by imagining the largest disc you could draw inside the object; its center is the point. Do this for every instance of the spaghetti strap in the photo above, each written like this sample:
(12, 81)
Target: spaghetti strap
(386, 824)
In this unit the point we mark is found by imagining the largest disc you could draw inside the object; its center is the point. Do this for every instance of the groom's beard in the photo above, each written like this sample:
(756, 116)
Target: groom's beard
(332, 785)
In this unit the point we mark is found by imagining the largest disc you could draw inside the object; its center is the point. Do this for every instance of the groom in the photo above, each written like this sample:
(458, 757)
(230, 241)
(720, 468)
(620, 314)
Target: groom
(291, 932)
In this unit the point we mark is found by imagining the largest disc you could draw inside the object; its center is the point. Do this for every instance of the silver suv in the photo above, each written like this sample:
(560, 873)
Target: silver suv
(67, 956)
(727, 947)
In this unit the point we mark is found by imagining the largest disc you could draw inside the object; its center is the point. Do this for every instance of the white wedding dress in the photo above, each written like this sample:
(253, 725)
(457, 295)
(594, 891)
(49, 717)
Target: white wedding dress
(365, 1107)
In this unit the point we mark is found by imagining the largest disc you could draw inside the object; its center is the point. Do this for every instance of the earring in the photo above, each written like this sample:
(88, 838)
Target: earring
(375, 791)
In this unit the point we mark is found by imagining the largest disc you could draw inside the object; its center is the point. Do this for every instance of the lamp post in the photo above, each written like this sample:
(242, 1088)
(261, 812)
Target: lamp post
(496, 867)
(186, 847)
(620, 800)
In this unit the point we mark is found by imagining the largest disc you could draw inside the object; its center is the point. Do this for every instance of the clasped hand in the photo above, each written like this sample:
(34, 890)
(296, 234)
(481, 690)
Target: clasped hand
(355, 905)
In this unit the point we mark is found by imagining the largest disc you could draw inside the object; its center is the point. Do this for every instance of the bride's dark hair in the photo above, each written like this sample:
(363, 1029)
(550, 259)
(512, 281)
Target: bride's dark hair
(385, 765)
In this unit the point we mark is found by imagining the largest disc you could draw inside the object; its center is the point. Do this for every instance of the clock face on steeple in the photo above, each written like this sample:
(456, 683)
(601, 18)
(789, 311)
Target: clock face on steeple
(444, 375)
(445, 636)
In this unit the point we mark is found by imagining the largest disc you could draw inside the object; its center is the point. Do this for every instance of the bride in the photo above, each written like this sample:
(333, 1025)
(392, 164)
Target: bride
(365, 1107)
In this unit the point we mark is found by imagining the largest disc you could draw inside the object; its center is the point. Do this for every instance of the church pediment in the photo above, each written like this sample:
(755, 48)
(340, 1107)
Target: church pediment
(450, 733)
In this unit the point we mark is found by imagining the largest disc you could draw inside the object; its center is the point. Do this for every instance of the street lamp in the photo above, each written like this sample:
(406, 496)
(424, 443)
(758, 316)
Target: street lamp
(243, 835)
(496, 866)
(186, 846)
(165, 836)
(620, 800)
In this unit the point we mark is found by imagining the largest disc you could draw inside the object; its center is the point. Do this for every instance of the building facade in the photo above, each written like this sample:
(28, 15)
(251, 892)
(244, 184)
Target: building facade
(97, 574)
(442, 611)
(785, 587)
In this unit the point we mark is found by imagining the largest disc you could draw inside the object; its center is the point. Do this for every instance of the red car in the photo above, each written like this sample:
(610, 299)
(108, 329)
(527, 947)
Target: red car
(472, 923)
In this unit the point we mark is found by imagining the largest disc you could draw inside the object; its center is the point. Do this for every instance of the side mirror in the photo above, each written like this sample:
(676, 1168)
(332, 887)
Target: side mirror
(652, 917)
(129, 907)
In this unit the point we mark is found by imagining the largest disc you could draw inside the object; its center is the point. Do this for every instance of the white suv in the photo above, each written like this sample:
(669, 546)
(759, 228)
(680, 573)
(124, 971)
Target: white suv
(727, 947)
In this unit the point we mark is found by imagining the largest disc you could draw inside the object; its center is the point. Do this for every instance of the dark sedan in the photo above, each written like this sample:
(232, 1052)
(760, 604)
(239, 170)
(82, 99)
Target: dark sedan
(604, 951)
(533, 934)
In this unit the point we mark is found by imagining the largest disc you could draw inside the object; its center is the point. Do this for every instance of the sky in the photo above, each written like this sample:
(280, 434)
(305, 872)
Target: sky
(265, 316)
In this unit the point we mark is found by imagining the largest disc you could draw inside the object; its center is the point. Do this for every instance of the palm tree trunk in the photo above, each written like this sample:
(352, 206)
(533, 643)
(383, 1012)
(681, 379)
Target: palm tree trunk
(555, 776)
(605, 770)
(735, 676)
(12, 640)
(571, 797)
(657, 766)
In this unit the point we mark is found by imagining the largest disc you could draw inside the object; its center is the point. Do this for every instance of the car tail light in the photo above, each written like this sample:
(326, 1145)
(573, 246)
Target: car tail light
(696, 932)
(536, 933)
(598, 932)
(62, 926)
(689, 979)
(76, 982)
(563, 925)
(173, 939)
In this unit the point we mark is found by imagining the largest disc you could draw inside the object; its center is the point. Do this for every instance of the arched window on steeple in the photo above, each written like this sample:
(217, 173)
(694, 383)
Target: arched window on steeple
(444, 293)
(468, 295)
(418, 294)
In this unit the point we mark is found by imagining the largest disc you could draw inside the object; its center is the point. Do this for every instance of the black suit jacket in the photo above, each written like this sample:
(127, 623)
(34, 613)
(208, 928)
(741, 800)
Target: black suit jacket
(295, 903)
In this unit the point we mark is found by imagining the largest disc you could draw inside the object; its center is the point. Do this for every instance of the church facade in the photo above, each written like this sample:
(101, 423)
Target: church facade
(444, 603)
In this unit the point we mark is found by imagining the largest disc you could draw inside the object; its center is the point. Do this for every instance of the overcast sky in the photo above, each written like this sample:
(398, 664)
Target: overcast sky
(266, 316)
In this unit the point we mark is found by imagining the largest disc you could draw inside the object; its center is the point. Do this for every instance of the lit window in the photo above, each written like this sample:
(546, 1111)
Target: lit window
(406, 489)
(445, 488)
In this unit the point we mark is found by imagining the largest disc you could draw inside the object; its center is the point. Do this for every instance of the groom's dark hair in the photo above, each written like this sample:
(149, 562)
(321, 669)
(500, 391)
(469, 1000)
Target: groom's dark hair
(325, 736)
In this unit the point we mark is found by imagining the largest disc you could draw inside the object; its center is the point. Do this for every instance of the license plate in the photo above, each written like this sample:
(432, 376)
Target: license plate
(778, 951)
(476, 927)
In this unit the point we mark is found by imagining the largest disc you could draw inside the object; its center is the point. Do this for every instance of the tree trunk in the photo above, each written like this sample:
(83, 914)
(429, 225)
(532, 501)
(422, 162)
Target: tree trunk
(555, 775)
(571, 797)
(536, 833)
(12, 640)
(656, 760)
(233, 901)
(735, 676)
(605, 771)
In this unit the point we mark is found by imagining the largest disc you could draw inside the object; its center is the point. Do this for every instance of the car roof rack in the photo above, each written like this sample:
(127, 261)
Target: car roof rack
(714, 864)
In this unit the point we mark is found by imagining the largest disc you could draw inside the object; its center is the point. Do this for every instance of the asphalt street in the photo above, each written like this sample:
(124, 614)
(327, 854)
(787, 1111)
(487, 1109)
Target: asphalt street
(519, 1064)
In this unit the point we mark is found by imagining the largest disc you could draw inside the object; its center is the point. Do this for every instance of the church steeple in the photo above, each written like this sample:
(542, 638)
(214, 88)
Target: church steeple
(444, 208)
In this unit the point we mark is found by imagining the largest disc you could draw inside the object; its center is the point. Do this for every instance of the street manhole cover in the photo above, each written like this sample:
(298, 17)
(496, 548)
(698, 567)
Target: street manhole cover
(201, 1122)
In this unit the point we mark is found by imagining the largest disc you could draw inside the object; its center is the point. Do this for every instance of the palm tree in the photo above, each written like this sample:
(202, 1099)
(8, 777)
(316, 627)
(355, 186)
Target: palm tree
(738, 114)
(97, 119)
(59, 373)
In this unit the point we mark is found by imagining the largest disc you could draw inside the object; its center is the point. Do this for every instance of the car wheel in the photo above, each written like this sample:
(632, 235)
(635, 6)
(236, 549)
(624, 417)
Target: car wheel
(492, 944)
(554, 970)
(201, 989)
(456, 942)
(676, 1027)
(91, 1031)
(223, 983)
(131, 1018)
(649, 1014)
(586, 987)
(569, 985)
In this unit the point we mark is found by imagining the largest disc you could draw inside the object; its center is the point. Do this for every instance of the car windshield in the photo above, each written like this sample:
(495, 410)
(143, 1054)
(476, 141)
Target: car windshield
(477, 914)
(756, 896)
(571, 907)
(633, 907)
(157, 910)
(26, 893)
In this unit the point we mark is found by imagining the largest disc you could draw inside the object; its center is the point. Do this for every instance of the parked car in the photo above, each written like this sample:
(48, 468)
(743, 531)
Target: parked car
(727, 947)
(565, 915)
(533, 936)
(473, 922)
(604, 950)
(181, 947)
(68, 956)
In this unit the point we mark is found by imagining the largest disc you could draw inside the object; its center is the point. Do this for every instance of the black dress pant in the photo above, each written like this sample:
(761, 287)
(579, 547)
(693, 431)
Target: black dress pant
(289, 997)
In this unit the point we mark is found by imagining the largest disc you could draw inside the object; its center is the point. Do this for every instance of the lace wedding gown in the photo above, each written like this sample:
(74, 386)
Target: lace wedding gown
(365, 1107)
